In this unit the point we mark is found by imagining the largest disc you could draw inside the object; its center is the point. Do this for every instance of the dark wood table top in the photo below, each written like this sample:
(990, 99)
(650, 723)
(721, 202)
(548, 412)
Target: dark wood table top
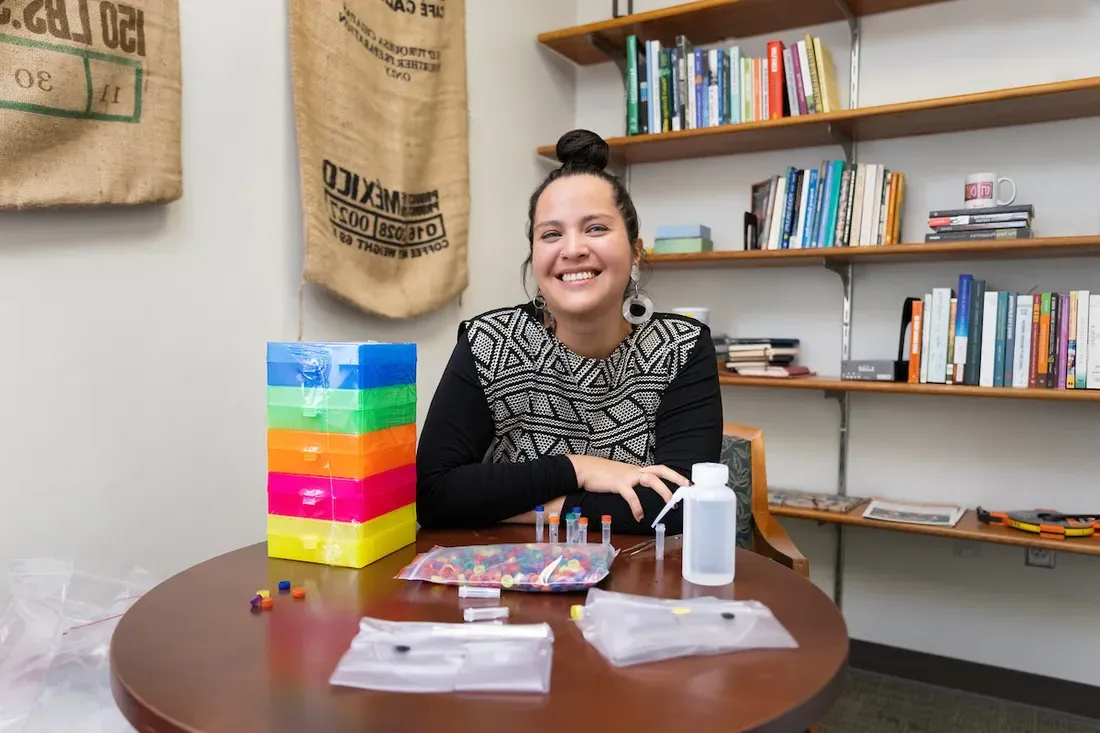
(192, 655)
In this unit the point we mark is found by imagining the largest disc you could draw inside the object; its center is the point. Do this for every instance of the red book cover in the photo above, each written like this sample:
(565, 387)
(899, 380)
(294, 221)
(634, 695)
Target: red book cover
(776, 80)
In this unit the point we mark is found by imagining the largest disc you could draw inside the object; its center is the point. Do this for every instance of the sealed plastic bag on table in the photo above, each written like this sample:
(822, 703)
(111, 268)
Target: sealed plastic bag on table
(629, 629)
(523, 566)
(417, 656)
(54, 641)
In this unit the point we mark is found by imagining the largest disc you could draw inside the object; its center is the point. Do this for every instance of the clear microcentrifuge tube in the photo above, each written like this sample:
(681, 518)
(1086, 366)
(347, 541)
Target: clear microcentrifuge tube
(485, 613)
(539, 512)
(582, 531)
(660, 540)
(478, 591)
(553, 527)
(606, 520)
(570, 527)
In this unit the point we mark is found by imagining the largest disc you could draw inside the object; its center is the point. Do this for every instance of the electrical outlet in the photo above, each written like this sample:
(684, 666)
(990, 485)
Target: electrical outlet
(1039, 558)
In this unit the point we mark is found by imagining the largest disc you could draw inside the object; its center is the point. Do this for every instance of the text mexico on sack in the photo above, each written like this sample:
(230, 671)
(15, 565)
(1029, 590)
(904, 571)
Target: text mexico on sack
(380, 107)
(89, 102)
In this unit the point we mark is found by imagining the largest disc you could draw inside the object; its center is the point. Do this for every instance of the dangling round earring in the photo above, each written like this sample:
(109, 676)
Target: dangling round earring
(637, 308)
(540, 305)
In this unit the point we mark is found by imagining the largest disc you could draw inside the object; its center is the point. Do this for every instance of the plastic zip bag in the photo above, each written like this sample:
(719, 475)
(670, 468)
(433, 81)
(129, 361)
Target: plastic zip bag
(523, 566)
(630, 629)
(54, 642)
(417, 656)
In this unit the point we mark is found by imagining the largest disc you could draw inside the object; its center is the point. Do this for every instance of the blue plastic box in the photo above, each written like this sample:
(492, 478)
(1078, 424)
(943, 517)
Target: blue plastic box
(340, 365)
(683, 231)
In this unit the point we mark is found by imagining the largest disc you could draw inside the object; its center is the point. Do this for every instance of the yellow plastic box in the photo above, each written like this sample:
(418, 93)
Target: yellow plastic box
(344, 544)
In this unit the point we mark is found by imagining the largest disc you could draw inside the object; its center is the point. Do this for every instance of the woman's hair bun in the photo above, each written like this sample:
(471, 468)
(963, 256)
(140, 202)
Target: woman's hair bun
(583, 148)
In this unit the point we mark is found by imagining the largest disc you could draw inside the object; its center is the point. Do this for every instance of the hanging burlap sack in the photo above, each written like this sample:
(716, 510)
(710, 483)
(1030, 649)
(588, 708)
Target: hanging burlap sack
(380, 107)
(89, 102)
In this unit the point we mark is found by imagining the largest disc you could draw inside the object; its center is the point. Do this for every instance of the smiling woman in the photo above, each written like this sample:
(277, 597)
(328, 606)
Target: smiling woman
(584, 396)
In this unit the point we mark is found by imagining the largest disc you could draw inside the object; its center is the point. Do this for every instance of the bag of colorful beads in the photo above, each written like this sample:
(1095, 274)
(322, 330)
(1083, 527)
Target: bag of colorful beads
(523, 566)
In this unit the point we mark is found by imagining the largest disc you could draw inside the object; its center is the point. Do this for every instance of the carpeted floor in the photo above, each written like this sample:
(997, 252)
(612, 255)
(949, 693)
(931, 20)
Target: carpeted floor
(874, 703)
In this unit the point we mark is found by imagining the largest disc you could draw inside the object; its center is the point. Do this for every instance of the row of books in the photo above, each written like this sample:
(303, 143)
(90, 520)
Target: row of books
(998, 338)
(836, 205)
(992, 222)
(684, 87)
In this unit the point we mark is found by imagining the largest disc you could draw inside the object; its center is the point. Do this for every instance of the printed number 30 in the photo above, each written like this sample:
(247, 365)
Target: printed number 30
(26, 79)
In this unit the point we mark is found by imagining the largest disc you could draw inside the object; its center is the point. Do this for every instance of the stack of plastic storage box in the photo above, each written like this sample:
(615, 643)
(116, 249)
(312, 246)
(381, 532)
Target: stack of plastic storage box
(341, 445)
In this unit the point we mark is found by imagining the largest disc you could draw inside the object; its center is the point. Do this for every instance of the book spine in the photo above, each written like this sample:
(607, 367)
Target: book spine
(1061, 353)
(632, 127)
(788, 77)
(937, 352)
(1052, 340)
(915, 332)
(734, 73)
(1092, 381)
(1023, 342)
(776, 78)
(1010, 341)
(1036, 328)
(962, 325)
(1084, 360)
(1000, 339)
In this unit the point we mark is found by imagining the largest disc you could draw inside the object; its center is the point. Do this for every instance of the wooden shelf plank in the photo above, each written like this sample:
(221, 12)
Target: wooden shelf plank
(831, 384)
(1055, 101)
(1000, 249)
(968, 528)
(708, 21)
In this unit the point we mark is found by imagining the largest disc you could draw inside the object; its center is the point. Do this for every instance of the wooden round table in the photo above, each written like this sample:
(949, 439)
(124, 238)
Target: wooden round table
(192, 655)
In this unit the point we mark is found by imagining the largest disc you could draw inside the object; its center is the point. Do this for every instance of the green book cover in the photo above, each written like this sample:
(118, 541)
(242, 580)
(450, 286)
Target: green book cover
(632, 126)
(682, 245)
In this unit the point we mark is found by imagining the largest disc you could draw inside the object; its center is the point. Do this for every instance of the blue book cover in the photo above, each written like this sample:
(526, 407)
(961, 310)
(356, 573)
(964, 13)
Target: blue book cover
(962, 323)
(683, 231)
(734, 74)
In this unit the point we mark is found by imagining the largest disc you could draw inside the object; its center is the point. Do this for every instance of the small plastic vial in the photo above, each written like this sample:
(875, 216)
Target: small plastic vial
(660, 540)
(478, 591)
(570, 528)
(553, 527)
(539, 514)
(582, 531)
(606, 521)
(485, 614)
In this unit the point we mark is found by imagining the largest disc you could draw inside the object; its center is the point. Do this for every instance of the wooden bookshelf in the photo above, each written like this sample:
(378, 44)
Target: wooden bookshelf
(998, 249)
(968, 528)
(832, 384)
(1055, 101)
(708, 21)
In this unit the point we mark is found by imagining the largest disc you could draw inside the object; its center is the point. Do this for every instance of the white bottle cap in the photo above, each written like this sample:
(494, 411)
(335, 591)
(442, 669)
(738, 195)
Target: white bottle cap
(710, 474)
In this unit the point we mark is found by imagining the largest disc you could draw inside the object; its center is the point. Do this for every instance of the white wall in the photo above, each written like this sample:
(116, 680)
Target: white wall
(132, 341)
(900, 589)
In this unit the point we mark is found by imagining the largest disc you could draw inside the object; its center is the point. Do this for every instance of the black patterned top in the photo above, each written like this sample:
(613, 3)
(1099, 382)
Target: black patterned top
(514, 402)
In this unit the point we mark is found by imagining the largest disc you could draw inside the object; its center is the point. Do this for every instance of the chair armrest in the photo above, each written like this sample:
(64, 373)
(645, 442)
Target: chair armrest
(774, 543)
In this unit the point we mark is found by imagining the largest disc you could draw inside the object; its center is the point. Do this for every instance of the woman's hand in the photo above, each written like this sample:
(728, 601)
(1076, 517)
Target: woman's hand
(604, 476)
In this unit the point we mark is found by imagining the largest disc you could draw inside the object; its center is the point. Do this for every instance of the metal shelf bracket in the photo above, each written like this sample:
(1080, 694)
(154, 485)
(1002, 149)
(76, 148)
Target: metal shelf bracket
(844, 142)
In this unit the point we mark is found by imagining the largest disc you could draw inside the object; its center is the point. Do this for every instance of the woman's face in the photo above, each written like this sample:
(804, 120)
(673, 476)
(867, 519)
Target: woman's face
(581, 255)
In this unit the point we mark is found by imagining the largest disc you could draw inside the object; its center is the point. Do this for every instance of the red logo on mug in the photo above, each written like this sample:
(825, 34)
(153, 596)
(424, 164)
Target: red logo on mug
(979, 190)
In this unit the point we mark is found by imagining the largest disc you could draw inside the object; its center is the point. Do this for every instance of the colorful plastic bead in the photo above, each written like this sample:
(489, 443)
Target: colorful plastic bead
(284, 585)
(267, 603)
(298, 593)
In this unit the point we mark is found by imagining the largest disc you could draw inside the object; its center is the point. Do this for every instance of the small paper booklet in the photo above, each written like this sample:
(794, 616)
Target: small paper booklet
(940, 515)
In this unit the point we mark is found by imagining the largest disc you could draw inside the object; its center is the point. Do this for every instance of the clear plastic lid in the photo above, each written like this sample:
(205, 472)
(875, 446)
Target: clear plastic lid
(710, 474)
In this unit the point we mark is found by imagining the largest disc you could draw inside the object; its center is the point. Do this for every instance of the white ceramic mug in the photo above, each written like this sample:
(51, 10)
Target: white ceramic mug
(700, 314)
(981, 191)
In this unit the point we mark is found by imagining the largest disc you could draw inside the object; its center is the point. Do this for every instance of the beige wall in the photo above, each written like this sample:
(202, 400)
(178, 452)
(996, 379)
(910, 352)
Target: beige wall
(132, 342)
